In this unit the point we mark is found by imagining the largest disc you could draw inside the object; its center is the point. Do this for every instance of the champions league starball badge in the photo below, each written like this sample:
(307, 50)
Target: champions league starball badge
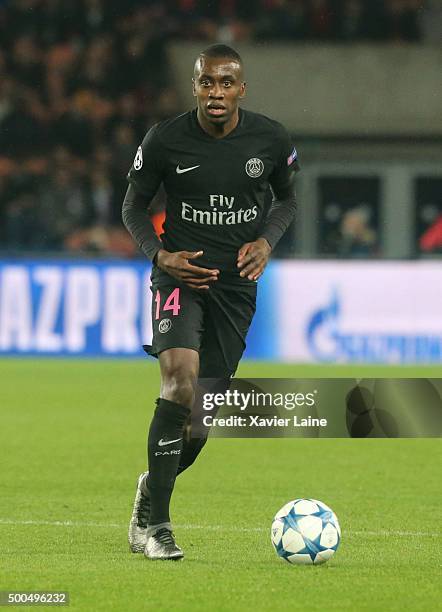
(138, 161)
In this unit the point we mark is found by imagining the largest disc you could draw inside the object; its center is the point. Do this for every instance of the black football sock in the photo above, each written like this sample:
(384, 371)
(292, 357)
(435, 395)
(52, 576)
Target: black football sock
(197, 433)
(164, 447)
(191, 450)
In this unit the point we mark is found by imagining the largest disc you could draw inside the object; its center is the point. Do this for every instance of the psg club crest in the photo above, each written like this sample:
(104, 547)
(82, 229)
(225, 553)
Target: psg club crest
(164, 326)
(254, 167)
(138, 161)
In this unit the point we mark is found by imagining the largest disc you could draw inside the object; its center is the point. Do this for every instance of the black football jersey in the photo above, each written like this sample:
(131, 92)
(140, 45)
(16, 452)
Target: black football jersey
(218, 189)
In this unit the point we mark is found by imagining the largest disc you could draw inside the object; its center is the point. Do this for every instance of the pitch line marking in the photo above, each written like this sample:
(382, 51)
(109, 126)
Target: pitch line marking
(226, 528)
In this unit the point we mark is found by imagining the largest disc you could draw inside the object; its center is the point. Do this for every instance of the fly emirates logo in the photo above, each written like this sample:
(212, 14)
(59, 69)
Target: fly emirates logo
(220, 212)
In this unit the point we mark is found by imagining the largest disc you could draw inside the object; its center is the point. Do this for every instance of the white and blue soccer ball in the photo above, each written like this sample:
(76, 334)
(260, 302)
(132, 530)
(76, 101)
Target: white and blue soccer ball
(305, 532)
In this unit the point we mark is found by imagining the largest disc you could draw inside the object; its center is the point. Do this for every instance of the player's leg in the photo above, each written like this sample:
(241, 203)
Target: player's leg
(226, 323)
(177, 390)
(196, 433)
(179, 373)
(177, 317)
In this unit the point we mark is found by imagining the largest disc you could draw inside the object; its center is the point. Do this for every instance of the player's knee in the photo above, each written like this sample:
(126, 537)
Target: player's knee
(178, 386)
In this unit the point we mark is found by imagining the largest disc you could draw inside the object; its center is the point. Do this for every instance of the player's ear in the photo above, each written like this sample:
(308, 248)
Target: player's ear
(193, 87)
(242, 90)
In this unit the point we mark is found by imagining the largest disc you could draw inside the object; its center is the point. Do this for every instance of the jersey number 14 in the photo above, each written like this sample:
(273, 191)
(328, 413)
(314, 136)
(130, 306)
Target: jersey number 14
(172, 303)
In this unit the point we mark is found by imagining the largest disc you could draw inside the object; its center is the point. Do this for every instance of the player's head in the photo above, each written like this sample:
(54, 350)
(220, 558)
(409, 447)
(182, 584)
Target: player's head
(218, 83)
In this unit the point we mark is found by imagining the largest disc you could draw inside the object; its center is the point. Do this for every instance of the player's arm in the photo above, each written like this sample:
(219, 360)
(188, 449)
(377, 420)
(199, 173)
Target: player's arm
(145, 176)
(137, 220)
(282, 211)
(253, 256)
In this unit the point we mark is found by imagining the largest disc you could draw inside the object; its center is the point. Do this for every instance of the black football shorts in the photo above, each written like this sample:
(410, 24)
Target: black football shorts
(214, 322)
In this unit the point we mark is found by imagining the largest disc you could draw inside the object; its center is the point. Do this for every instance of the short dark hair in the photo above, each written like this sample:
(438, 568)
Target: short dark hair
(220, 50)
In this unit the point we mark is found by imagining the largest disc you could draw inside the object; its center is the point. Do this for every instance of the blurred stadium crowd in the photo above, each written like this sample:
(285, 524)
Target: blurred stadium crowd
(81, 80)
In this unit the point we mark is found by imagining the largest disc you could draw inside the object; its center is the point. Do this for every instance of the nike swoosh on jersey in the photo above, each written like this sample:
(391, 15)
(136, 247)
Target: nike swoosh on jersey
(182, 170)
(166, 442)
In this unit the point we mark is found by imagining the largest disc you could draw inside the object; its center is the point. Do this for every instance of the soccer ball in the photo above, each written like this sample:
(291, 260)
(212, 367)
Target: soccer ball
(305, 532)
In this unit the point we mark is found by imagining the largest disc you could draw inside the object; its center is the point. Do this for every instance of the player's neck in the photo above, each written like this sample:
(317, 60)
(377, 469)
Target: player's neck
(220, 130)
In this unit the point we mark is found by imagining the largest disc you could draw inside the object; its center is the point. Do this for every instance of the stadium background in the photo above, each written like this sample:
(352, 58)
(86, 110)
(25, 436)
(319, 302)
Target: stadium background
(355, 82)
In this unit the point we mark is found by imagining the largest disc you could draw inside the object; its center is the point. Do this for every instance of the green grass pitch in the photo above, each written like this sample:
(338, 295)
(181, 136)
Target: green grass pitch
(73, 442)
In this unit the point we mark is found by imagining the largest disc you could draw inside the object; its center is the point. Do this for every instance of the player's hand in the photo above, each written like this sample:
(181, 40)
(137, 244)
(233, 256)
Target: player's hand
(253, 258)
(177, 265)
